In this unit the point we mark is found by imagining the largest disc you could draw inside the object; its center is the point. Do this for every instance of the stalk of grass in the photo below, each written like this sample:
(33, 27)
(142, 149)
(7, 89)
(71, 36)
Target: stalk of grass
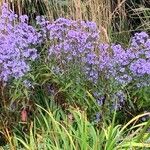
(136, 139)
(110, 16)
(79, 133)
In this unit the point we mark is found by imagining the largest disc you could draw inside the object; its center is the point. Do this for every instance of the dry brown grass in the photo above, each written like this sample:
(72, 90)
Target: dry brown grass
(108, 14)
(99, 11)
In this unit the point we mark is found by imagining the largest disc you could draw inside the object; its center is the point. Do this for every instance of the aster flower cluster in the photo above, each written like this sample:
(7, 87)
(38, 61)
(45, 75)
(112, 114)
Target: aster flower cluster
(17, 44)
(77, 42)
(125, 65)
(72, 38)
(133, 64)
(71, 41)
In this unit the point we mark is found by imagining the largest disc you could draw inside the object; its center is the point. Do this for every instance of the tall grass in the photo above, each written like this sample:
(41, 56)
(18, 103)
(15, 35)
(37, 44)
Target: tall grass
(112, 16)
(100, 11)
(56, 131)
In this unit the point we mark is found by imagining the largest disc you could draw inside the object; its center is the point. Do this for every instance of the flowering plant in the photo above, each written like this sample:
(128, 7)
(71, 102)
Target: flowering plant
(74, 52)
(77, 42)
(18, 40)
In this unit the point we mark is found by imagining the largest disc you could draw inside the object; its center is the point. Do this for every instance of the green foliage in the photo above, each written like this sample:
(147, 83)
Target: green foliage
(140, 98)
(56, 130)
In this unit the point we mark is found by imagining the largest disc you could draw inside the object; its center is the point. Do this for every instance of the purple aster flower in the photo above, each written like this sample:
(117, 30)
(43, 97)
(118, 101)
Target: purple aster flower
(16, 41)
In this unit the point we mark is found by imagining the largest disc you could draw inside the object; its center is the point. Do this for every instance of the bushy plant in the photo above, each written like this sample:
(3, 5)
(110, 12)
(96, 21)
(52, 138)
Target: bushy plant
(18, 42)
(74, 45)
(70, 40)
(71, 52)
(73, 68)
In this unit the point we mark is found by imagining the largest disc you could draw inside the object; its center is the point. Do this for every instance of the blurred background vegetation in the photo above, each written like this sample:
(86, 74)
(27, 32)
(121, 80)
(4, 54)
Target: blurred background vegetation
(115, 18)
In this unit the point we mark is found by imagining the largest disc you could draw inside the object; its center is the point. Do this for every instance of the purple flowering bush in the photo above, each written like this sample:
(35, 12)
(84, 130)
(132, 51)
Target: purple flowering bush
(132, 64)
(76, 54)
(18, 42)
(62, 65)
(70, 52)
(77, 42)
(69, 41)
